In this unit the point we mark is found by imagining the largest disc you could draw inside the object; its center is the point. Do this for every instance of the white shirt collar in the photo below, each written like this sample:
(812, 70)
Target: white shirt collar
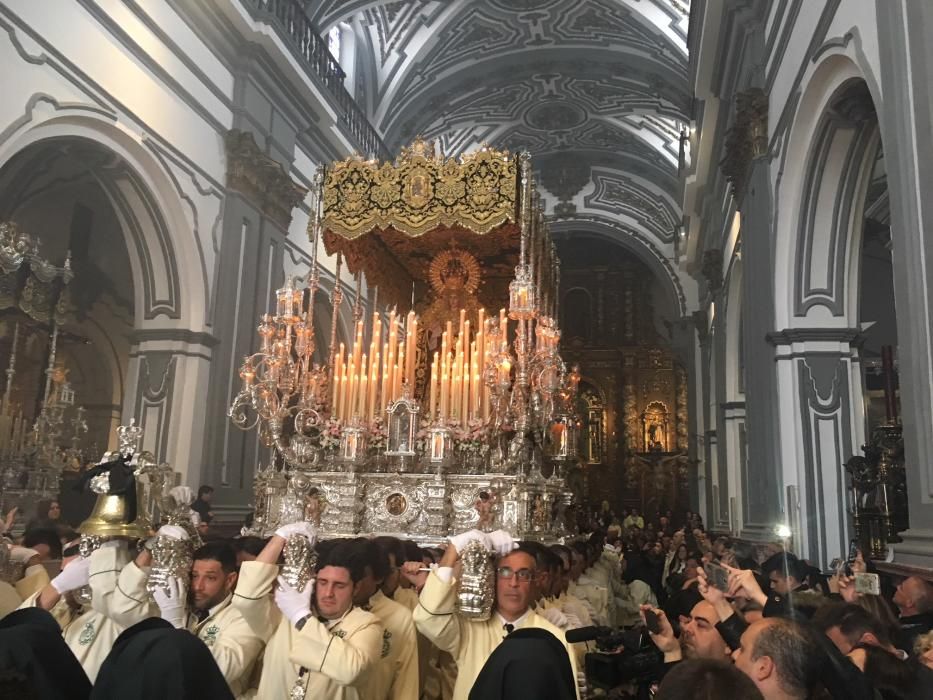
(516, 623)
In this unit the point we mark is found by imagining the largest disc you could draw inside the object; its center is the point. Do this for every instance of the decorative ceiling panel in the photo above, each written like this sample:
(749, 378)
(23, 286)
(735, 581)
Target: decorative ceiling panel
(596, 90)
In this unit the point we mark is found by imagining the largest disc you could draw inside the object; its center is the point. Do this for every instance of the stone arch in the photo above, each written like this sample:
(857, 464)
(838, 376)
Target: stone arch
(823, 180)
(164, 253)
(830, 153)
(675, 294)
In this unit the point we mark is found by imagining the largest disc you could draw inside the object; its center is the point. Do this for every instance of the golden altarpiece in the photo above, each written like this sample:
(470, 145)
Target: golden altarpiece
(632, 398)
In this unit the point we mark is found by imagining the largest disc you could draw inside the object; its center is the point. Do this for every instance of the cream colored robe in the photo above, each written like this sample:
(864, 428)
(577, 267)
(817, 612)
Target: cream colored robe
(336, 659)
(437, 670)
(91, 634)
(233, 643)
(470, 643)
(395, 676)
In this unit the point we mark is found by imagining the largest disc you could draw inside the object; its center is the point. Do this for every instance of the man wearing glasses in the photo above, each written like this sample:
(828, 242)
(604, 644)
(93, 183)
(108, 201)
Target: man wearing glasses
(470, 642)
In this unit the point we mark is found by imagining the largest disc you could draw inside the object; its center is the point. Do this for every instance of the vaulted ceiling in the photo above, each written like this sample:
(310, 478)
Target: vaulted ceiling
(596, 90)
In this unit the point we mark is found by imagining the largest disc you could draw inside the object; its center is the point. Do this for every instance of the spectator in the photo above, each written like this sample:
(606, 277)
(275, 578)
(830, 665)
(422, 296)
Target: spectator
(699, 638)
(48, 516)
(787, 573)
(706, 679)
(891, 677)
(35, 662)
(914, 600)
(848, 625)
(780, 657)
(202, 504)
(923, 648)
(529, 663)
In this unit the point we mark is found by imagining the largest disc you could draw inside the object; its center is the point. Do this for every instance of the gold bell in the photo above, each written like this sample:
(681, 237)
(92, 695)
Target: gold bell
(110, 518)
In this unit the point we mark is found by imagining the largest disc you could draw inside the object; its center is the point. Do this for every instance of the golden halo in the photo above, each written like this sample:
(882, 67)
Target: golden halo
(452, 268)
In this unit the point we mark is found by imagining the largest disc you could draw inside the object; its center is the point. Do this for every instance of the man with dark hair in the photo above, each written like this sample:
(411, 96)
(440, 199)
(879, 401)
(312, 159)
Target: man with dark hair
(247, 548)
(202, 504)
(395, 675)
(394, 585)
(848, 625)
(781, 657)
(706, 678)
(471, 642)
(319, 644)
(786, 572)
(202, 604)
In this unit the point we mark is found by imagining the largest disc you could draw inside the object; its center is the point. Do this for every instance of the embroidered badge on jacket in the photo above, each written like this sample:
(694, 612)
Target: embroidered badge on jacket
(386, 643)
(87, 634)
(210, 635)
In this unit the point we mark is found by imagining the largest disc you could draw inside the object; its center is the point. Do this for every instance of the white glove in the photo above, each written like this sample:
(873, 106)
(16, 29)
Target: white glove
(172, 602)
(293, 603)
(462, 540)
(501, 542)
(299, 528)
(73, 576)
(555, 617)
(175, 532)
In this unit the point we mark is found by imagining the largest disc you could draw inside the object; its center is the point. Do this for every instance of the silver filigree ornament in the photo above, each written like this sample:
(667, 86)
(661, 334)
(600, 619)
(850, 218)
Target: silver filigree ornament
(300, 561)
(477, 593)
(171, 559)
(86, 546)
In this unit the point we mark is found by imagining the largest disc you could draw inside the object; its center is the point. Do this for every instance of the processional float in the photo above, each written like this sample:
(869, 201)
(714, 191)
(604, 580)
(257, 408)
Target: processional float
(455, 393)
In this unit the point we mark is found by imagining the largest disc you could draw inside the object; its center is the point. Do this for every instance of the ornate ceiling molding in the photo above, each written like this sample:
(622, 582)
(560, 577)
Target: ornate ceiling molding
(618, 195)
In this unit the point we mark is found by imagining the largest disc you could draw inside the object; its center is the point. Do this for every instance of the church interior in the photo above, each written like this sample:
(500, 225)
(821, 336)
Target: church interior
(578, 256)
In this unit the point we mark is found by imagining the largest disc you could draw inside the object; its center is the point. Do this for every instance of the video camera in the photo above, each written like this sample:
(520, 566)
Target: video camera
(622, 656)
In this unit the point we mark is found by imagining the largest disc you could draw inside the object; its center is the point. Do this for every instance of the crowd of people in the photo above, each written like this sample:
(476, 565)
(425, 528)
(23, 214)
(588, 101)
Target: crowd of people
(378, 618)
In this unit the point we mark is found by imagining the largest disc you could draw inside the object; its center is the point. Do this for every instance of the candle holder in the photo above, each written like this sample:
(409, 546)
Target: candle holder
(440, 448)
(353, 445)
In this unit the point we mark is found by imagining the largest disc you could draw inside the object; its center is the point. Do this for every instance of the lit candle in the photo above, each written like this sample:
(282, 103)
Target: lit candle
(464, 388)
(374, 387)
(399, 372)
(362, 391)
(445, 381)
(433, 394)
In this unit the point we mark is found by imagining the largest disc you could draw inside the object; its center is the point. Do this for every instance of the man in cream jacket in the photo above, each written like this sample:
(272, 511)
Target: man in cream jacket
(201, 604)
(319, 645)
(89, 631)
(471, 643)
